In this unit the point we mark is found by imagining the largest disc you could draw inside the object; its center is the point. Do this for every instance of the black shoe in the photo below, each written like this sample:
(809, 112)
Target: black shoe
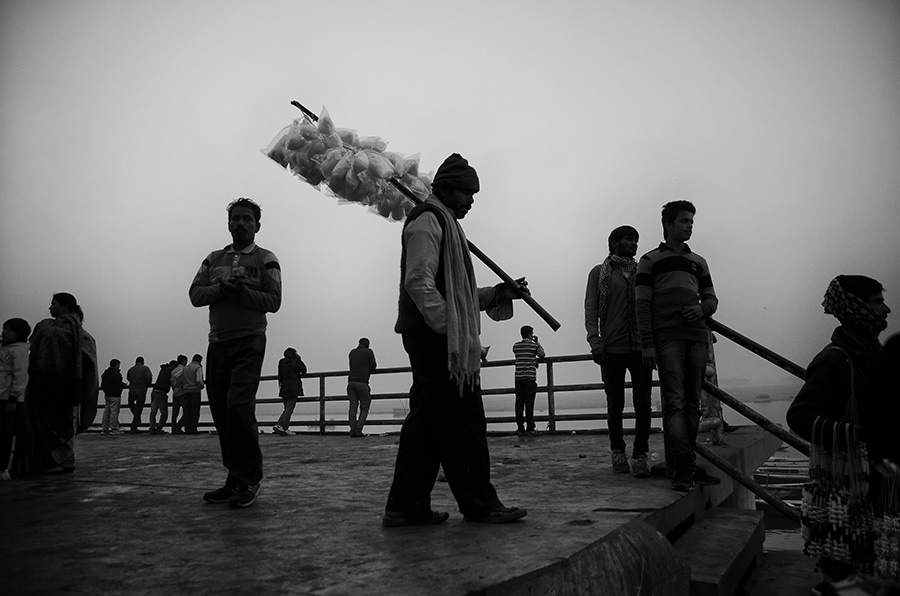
(500, 515)
(398, 519)
(683, 483)
(220, 496)
(701, 476)
(244, 496)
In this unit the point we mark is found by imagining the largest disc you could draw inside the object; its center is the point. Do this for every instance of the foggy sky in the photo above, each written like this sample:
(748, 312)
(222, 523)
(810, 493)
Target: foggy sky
(128, 126)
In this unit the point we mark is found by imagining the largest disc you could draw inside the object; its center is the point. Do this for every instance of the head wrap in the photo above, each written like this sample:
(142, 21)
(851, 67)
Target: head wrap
(850, 308)
(456, 172)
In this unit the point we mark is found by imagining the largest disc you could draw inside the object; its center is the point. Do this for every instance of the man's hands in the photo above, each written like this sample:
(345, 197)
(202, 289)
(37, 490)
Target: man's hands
(598, 356)
(232, 285)
(692, 313)
(648, 357)
(508, 292)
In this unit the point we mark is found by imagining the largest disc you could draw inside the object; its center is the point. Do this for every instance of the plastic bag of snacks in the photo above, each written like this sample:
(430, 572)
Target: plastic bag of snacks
(355, 169)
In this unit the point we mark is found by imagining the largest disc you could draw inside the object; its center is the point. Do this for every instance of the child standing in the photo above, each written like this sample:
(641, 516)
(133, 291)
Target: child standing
(13, 379)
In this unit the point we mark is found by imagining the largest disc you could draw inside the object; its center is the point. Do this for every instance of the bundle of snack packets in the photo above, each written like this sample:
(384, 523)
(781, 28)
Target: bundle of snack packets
(355, 169)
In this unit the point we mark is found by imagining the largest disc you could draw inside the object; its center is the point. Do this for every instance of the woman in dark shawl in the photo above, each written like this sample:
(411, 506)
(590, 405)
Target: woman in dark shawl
(63, 385)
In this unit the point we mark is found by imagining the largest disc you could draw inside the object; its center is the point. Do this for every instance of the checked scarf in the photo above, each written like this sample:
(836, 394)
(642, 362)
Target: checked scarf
(625, 266)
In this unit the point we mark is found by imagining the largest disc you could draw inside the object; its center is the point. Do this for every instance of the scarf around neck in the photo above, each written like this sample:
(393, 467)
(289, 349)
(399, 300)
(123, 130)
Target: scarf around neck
(461, 297)
(625, 266)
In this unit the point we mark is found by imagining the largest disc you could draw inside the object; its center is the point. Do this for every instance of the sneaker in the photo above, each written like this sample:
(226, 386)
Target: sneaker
(278, 430)
(521, 432)
(533, 432)
(244, 496)
(288, 433)
(220, 496)
(683, 483)
(398, 519)
(639, 467)
(620, 462)
(703, 477)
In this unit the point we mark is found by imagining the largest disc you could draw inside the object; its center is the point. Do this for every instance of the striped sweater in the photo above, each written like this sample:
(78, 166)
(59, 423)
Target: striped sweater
(666, 282)
(244, 313)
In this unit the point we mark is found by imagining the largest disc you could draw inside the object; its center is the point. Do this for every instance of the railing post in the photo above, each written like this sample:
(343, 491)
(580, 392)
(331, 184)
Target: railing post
(551, 401)
(322, 405)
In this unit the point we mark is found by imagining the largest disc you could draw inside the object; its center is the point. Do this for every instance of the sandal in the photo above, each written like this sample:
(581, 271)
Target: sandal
(500, 515)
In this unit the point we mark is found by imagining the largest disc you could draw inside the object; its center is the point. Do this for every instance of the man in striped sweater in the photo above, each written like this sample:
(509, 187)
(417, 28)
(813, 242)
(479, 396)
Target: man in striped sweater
(527, 352)
(673, 297)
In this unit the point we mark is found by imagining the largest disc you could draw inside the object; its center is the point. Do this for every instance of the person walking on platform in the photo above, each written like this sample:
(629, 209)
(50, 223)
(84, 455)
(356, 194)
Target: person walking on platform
(610, 320)
(362, 365)
(240, 283)
(439, 322)
(290, 387)
(139, 378)
(674, 295)
(527, 352)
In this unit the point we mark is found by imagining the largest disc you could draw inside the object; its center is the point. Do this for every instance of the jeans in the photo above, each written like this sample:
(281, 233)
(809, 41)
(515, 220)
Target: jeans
(442, 429)
(526, 390)
(111, 413)
(233, 369)
(681, 368)
(613, 374)
(360, 396)
(136, 402)
(159, 403)
(284, 421)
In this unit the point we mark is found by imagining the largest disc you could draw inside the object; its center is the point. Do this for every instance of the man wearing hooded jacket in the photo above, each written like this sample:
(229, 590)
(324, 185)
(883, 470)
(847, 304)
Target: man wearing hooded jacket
(440, 325)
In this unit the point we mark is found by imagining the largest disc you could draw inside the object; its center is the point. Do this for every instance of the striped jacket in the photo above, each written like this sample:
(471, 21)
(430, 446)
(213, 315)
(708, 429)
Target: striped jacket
(666, 282)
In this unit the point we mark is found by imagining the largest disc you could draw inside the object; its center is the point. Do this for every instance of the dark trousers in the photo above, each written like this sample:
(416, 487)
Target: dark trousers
(442, 429)
(191, 416)
(136, 403)
(613, 373)
(526, 390)
(233, 369)
(178, 408)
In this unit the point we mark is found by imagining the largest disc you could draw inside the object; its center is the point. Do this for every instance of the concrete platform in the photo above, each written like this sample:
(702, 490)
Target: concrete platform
(131, 520)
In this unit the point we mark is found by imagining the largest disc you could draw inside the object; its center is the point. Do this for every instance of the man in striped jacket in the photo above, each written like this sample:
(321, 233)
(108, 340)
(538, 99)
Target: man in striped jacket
(673, 297)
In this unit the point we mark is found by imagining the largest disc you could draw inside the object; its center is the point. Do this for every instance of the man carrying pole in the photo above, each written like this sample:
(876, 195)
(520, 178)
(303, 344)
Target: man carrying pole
(440, 325)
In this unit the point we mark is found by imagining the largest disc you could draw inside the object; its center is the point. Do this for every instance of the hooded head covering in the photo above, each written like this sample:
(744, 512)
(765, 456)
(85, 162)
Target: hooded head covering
(456, 172)
(844, 299)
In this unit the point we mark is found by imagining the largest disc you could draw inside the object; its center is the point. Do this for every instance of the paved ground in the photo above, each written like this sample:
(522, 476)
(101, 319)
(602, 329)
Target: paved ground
(131, 519)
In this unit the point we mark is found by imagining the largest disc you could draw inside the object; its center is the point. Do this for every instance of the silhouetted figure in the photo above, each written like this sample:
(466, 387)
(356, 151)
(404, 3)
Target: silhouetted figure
(240, 284)
(610, 319)
(111, 384)
(63, 387)
(362, 365)
(674, 295)
(193, 388)
(290, 387)
(527, 352)
(13, 381)
(439, 321)
(139, 378)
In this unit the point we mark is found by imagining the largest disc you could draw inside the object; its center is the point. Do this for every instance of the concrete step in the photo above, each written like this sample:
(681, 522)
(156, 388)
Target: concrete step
(721, 548)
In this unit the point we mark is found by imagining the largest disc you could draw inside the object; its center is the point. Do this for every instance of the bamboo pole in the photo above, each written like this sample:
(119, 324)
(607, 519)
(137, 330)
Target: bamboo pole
(524, 293)
(749, 483)
(754, 416)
